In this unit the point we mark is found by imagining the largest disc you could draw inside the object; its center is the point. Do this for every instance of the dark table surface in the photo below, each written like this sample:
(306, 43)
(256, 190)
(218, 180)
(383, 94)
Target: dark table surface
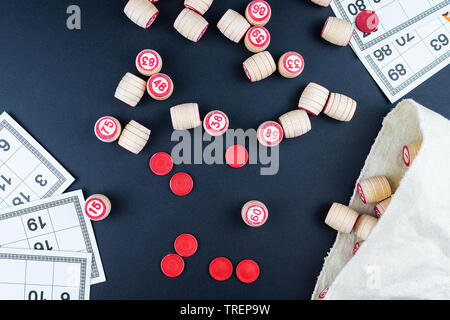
(57, 83)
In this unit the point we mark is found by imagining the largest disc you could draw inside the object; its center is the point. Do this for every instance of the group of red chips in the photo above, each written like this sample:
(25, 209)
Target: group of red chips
(172, 265)
(181, 183)
(221, 269)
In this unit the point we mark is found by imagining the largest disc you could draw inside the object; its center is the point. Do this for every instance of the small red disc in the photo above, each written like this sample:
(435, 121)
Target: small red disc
(172, 265)
(356, 247)
(236, 156)
(367, 21)
(247, 271)
(161, 163)
(186, 245)
(220, 269)
(181, 184)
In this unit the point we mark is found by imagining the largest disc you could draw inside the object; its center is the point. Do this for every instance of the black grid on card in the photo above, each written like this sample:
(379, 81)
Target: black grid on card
(76, 203)
(38, 155)
(30, 257)
(364, 46)
(408, 81)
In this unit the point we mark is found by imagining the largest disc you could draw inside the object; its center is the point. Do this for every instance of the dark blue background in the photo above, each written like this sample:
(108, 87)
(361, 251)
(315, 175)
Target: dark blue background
(58, 82)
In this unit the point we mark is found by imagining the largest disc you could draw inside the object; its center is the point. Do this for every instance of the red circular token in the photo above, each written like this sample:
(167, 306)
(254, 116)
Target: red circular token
(186, 245)
(216, 123)
(361, 193)
(406, 157)
(270, 133)
(259, 10)
(247, 271)
(367, 21)
(220, 269)
(159, 85)
(293, 62)
(181, 184)
(106, 128)
(95, 208)
(258, 36)
(161, 163)
(148, 60)
(356, 247)
(172, 265)
(236, 156)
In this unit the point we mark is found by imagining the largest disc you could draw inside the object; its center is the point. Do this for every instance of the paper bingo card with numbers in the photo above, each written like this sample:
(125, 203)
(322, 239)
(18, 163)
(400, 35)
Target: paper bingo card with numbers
(410, 45)
(55, 224)
(44, 275)
(27, 171)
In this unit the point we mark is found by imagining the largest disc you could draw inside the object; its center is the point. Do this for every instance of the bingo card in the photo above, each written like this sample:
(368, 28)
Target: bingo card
(410, 45)
(27, 171)
(44, 275)
(55, 224)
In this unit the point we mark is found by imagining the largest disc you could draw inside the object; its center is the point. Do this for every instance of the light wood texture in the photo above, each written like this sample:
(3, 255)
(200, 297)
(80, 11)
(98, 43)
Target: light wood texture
(185, 116)
(259, 66)
(340, 107)
(258, 12)
(364, 226)
(233, 25)
(200, 6)
(374, 189)
(254, 213)
(341, 218)
(295, 123)
(141, 12)
(323, 3)
(257, 39)
(337, 31)
(130, 89)
(314, 98)
(190, 25)
(381, 207)
(410, 151)
(134, 137)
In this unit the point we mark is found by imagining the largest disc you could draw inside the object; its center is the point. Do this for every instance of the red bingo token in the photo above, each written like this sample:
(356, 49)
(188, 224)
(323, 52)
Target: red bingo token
(258, 37)
(107, 129)
(356, 247)
(236, 156)
(181, 184)
(216, 123)
(367, 21)
(97, 207)
(293, 63)
(160, 86)
(270, 134)
(151, 20)
(221, 269)
(323, 293)
(247, 271)
(361, 193)
(186, 245)
(172, 265)
(406, 157)
(161, 163)
(255, 214)
(148, 62)
(258, 12)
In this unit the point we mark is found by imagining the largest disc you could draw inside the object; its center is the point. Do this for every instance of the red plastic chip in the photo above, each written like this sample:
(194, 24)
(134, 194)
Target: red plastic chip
(172, 265)
(247, 271)
(367, 21)
(220, 269)
(161, 163)
(236, 156)
(181, 184)
(186, 245)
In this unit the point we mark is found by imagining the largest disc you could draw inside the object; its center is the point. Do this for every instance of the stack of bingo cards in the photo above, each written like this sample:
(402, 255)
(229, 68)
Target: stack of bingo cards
(48, 249)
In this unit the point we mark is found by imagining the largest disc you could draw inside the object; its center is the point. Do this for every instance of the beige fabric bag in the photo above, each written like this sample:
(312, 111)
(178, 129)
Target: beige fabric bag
(407, 255)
